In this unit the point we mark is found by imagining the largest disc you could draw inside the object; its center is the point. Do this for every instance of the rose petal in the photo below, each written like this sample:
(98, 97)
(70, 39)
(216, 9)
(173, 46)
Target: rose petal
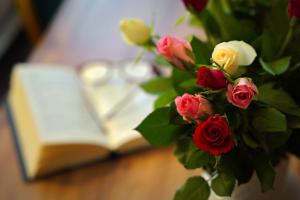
(246, 54)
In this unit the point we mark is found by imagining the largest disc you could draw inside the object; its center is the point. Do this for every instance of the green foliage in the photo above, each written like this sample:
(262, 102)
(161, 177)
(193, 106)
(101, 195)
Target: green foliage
(190, 156)
(161, 61)
(201, 51)
(263, 132)
(228, 23)
(156, 129)
(249, 141)
(195, 188)
(269, 120)
(165, 98)
(277, 139)
(264, 171)
(223, 184)
(278, 98)
(236, 163)
(276, 67)
(276, 22)
(175, 118)
(157, 85)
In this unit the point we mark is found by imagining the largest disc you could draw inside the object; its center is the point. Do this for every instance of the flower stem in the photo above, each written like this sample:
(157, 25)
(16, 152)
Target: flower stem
(287, 37)
(228, 76)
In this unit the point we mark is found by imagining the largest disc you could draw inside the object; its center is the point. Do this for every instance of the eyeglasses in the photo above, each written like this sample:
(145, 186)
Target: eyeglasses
(109, 87)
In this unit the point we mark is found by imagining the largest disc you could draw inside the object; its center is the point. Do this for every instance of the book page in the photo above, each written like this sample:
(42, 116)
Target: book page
(121, 126)
(116, 98)
(58, 106)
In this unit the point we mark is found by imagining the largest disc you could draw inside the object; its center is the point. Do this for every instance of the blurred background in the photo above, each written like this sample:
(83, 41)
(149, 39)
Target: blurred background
(72, 32)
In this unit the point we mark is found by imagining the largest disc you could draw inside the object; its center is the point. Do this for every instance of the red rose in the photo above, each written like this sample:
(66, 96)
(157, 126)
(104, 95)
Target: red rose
(294, 8)
(195, 5)
(214, 135)
(211, 78)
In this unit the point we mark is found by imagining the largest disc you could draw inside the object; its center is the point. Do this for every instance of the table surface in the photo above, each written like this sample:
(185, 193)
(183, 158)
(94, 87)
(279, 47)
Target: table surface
(74, 37)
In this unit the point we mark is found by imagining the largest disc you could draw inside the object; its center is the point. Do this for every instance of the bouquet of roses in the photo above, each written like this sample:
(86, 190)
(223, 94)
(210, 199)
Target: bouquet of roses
(230, 103)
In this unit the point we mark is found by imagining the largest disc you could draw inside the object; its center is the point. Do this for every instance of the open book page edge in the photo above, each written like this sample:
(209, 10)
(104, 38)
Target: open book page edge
(97, 139)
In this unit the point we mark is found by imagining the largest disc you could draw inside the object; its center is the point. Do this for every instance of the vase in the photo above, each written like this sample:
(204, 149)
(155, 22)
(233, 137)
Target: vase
(252, 189)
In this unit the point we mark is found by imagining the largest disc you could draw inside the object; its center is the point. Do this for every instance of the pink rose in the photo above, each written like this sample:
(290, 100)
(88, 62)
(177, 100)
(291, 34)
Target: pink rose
(242, 93)
(193, 107)
(175, 50)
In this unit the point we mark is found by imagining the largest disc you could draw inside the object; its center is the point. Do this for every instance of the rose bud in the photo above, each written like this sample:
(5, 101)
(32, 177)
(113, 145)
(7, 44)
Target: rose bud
(231, 55)
(214, 135)
(135, 32)
(193, 107)
(211, 78)
(294, 8)
(241, 94)
(195, 5)
(175, 50)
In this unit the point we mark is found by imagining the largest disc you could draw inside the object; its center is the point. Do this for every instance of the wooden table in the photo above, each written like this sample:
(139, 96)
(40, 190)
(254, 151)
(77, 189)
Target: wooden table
(87, 30)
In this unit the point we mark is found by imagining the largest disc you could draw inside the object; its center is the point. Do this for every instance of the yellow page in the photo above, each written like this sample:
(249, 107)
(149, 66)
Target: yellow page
(58, 107)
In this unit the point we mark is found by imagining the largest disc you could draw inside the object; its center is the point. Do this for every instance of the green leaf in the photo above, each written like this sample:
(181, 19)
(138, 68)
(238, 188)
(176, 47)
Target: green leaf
(207, 21)
(179, 76)
(190, 156)
(264, 171)
(237, 163)
(157, 85)
(183, 147)
(278, 99)
(156, 129)
(175, 118)
(161, 61)
(180, 20)
(165, 98)
(228, 23)
(277, 139)
(271, 42)
(195, 188)
(197, 159)
(269, 120)
(201, 51)
(189, 83)
(249, 141)
(276, 67)
(223, 185)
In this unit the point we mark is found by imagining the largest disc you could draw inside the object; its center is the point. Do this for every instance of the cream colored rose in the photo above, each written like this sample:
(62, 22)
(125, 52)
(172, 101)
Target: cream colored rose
(231, 55)
(134, 31)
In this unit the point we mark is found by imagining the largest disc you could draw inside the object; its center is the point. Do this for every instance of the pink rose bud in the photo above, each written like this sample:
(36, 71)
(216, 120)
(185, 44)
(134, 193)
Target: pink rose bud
(242, 93)
(175, 50)
(193, 107)
(294, 8)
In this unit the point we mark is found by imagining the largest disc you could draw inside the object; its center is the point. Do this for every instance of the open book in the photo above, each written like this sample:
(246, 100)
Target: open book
(61, 122)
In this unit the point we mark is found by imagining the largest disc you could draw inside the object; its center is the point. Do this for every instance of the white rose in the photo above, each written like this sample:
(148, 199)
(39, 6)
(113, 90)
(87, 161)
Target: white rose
(134, 31)
(233, 54)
